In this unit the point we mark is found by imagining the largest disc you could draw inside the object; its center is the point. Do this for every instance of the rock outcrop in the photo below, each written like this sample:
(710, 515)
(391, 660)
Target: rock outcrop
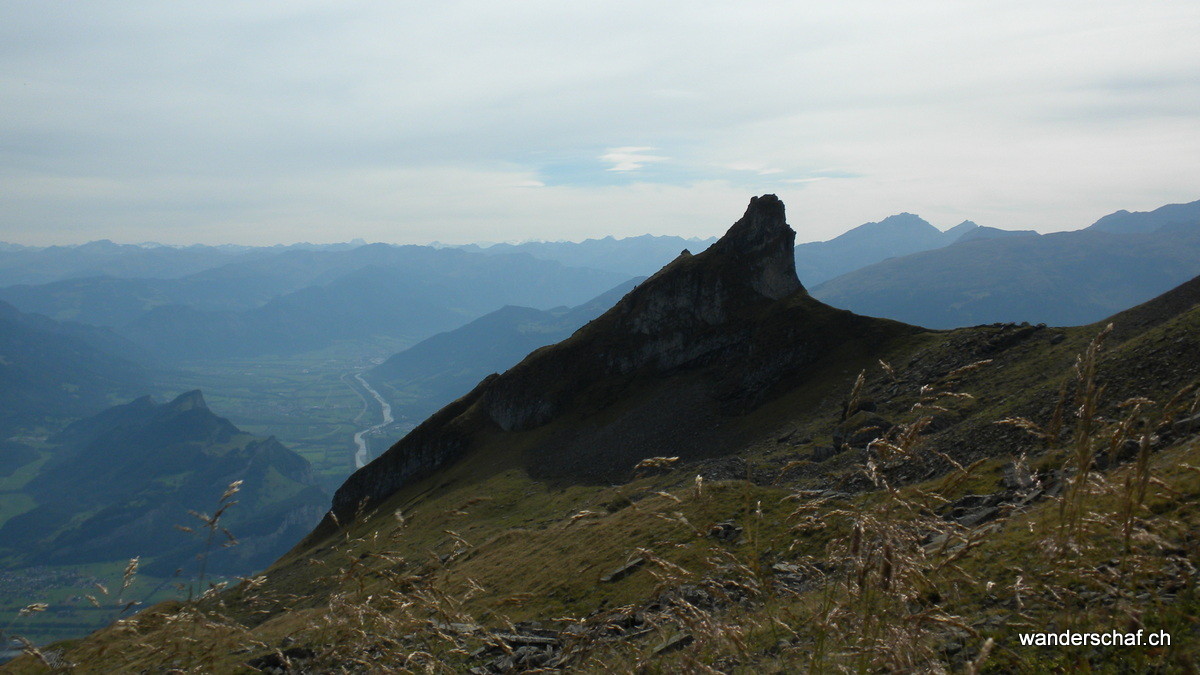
(732, 322)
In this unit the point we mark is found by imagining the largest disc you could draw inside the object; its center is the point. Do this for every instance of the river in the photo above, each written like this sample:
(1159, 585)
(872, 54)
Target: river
(361, 454)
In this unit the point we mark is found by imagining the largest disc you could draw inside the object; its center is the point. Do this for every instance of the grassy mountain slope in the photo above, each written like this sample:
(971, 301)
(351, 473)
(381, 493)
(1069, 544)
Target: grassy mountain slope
(826, 492)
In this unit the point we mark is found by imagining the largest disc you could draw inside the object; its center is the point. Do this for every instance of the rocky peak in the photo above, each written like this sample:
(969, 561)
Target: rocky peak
(188, 401)
(762, 243)
(700, 309)
(752, 263)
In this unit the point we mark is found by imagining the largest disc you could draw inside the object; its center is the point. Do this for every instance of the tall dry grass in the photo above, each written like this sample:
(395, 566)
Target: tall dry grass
(887, 580)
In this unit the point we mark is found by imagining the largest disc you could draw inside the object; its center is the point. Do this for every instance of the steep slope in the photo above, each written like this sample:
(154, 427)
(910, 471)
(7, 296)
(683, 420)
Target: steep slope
(120, 482)
(422, 379)
(828, 492)
(1065, 278)
(897, 235)
(1177, 302)
(709, 336)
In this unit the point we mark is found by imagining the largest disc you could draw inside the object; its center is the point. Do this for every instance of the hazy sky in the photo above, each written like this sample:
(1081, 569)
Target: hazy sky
(264, 122)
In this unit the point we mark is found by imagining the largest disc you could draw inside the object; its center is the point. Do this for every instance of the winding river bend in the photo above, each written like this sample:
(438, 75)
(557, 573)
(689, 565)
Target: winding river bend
(361, 455)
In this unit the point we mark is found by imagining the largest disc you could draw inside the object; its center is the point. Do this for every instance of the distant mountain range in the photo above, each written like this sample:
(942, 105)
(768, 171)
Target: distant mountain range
(1144, 222)
(289, 299)
(870, 243)
(1065, 278)
(117, 484)
(300, 300)
(439, 369)
(36, 265)
(632, 256)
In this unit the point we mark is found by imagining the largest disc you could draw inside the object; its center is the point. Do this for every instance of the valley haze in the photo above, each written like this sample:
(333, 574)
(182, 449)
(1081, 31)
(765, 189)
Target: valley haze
(545, 454)
(537, 399)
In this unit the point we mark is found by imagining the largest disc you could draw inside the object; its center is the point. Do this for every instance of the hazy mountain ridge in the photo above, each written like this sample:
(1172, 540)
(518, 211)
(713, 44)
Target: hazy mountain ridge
(302, 299)
(893, 236)
(1143, 222)
(550, 549)
(38, 265)
(424, 378)
(633, 256)
(413, 301)
(1064, 278)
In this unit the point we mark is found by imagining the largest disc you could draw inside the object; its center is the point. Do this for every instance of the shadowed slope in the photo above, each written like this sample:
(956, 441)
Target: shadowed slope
(708, 336)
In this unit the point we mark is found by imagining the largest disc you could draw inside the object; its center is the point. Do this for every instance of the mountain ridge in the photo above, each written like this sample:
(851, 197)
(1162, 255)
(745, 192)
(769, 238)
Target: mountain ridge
(719, 466)
(679, 320)
(895, 235)
(1062, 278)
(445, 366)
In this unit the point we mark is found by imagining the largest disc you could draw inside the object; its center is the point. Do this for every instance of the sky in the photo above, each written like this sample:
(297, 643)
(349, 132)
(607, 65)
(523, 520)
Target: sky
(275, 122)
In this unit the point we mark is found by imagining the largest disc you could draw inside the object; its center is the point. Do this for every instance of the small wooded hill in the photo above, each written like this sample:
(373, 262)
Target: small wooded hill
(119, 484)
(824, 491)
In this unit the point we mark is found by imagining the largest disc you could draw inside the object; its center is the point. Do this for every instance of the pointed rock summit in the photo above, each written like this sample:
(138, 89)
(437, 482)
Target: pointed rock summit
(752, 263)
(188, 401)
(763, 244)
(735, 316)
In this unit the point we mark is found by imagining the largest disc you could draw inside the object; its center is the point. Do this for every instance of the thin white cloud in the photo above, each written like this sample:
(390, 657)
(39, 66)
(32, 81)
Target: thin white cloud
(754, 167)
(629, 158)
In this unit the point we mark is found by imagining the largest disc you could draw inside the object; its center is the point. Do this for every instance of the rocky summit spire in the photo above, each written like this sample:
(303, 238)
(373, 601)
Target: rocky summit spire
(699, 310)
(753, 263)
(764, 243)
(187, 401)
